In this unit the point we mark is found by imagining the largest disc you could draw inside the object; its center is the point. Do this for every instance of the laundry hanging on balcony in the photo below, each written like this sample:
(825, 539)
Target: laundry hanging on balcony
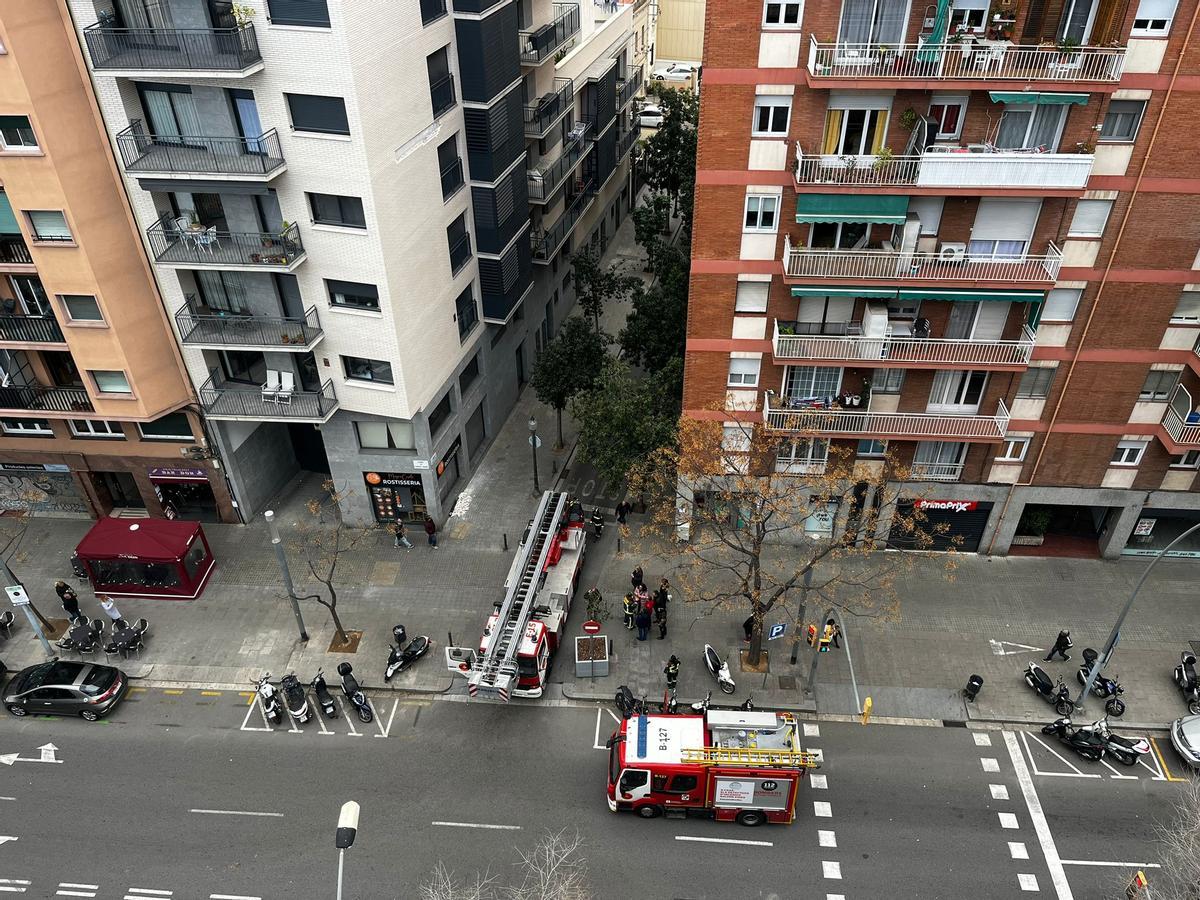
(874, 209)
(930, 43)
(1036, 98)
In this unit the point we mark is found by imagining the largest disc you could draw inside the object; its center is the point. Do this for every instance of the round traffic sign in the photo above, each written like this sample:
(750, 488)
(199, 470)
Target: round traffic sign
(591, 626)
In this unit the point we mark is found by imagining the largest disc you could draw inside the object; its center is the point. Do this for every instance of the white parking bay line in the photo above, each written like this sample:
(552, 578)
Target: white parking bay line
(982, 738)
(86, 887)
(231, 812)
(148, 892)
(74, 893)
(1008, 820)
(822, 810)
(232, 897)
(826, 838)
(1018, 850)
(1028, 882)
(989, 764)
(708, 840)
(478, 825)
(999, 791)
(10, 889)
(1108, 862)
(819, 782)
(831, 869)
(1058, 875)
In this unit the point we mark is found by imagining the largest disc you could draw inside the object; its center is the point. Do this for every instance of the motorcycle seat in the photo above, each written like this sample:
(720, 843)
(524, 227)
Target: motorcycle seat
(351, 684)
(1042, 679)
(1189, 672)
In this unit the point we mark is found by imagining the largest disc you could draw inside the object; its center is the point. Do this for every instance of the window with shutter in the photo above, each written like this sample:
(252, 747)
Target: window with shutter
(1090, 218)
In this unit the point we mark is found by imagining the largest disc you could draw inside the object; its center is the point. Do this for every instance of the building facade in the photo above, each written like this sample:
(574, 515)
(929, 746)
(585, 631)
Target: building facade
(360, 216)
(962, 235)
(97, 415)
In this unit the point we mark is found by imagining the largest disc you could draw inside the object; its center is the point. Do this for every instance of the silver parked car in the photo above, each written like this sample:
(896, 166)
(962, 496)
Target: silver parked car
(1185, 735)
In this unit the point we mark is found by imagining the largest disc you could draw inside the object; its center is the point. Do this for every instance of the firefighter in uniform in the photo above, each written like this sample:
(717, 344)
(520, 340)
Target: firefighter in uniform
(671, 670)
(630, 608)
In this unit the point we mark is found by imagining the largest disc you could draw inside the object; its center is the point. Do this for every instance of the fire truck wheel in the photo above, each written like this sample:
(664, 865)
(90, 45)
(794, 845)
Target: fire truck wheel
(751, 817)
(649, 812)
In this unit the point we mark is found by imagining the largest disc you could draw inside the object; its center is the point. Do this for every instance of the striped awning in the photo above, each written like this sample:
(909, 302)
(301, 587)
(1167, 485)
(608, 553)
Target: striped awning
(1038, 99)
(971, 296)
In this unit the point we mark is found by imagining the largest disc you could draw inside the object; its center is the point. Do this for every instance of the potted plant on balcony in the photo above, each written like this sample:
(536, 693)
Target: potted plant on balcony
(243, 14)
(787, 329)
(908, 119)
(882, 159)
(1031, 529)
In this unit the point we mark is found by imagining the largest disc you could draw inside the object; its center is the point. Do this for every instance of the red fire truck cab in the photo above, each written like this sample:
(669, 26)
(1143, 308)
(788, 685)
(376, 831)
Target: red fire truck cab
(731, 765)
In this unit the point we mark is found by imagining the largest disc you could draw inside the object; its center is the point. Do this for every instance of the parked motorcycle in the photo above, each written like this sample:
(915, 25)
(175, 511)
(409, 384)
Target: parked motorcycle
(269, 698)
(628, 704)
(1087, 744)
(1123, 749)
(719, 669)
(1056, 695)
(400, 657)
(671, 702)
(1103, 687)
(1186, 681)
(700, 707)
(295, 699)
(328, 707)
(354, 692)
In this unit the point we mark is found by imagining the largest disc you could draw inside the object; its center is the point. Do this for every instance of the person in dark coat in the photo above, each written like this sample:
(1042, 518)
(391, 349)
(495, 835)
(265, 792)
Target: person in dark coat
(636, 578)
(661, 598)
(1062, 644)
(662, 628)
(431, 532)
(70, 602)
(623, 509)
(833, 633)
(643, 624)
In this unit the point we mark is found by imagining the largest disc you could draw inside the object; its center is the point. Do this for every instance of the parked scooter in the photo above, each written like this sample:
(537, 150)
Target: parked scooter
(1186, 681)
(1087, 744)
(1123, 749)
(295, 699)
(1056, 695)
(719, 669)
(1103, 687)
(269, 698)
(354, 692)
(328, 707)
(400, 657)
(628, 704)
(700, 707)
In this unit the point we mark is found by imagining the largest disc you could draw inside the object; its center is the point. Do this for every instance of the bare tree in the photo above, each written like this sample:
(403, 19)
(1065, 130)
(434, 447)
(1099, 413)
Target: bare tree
(1179, 853)
(443, 884)
(554, 869)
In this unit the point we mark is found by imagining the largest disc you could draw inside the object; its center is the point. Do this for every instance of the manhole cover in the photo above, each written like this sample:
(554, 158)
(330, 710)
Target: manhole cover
(787, 682)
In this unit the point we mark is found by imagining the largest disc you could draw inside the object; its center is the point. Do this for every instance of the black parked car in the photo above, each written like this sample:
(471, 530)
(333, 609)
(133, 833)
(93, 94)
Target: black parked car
(64, 688)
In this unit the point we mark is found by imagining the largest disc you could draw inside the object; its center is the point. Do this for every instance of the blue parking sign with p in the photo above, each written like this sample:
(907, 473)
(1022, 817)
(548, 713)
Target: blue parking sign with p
(776, 631)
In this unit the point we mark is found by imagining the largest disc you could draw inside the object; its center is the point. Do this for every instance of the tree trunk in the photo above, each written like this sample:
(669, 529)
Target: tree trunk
(560, 444)
(45, 622)
(755, 652)
(337, 623)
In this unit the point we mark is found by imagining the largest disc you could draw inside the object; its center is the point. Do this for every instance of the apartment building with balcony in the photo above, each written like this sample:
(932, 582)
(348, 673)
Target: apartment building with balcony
(960, 236)
(336, 200)
(97, 415)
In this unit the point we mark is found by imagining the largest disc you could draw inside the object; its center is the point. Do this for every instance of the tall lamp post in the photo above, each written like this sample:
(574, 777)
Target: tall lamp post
(347, 828)
(285, 572)
(1102, 660)
(533, 442)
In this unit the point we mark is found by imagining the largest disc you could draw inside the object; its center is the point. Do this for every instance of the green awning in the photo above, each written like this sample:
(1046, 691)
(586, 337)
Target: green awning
(1038, 99)
(820, 290)
(972, 296)
(8, 222)
(876, 209)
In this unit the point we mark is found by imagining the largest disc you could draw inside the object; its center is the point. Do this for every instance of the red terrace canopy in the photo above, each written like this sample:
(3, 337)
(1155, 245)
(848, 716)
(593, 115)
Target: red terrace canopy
(157, 558)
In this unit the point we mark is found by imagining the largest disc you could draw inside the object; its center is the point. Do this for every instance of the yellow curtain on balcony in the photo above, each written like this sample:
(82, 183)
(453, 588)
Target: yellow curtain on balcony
(880, 135)
(833, 131)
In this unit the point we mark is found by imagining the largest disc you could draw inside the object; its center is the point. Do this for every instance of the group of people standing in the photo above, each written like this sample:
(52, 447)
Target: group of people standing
(70, 602)
(642, 609)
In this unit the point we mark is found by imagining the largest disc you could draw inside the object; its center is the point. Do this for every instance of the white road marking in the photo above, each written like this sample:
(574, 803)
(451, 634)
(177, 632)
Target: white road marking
(819, 782)
(12, 890)
(999, 791)
(90, 887)
(232, 897)
(149, 892)
(1106, 862)
(982, 738)
(998, 648)
(819, 754)
(236, 812)
(346, 716)
(1018, 850)
(989, 764)
(385, 731)
(615, 717)
(835, 897)
(5, 838)
(708, 840)
(596, 745)
(822, 810)
(1115, 773)
(826, 838)
(250, 707)
(811, 730)
(478, 825)
(292, 726)
(1057, 875)
(75, 893)
(1008, 820)
(1156, 772)
(831, 869)
(321, 724)
(14, 881)
(8, 798)
(1075, 773)
(1028, 882)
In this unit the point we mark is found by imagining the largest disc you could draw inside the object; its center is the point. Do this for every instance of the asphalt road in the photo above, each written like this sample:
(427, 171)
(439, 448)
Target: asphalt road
(896, 811)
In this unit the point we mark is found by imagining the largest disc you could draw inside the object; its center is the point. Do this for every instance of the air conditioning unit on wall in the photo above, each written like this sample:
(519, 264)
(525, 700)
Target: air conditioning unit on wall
(952, 251)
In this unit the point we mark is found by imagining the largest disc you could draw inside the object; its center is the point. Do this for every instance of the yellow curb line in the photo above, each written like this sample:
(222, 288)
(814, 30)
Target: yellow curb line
(173, 693)
(210, 693)
(1162, 762)
(140, 690)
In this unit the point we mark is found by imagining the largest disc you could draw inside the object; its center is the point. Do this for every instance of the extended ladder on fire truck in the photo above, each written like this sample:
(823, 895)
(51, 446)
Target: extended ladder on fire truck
(495, 671)
(743, 756)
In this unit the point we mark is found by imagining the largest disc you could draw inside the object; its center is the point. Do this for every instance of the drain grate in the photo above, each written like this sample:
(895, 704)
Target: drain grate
(787, 682)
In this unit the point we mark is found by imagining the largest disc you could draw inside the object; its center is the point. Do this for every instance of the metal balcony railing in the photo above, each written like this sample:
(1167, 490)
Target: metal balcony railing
(539, 44)
(864, 423)
(460, 253)
(441, 95)
(222, 329)
(625, 142)
(894, 265)
(965, 61)
(40, 397)
(629, 87)
(226, 400)
(1181, 430)
(31, 329)
(549, 109)
(546, 243)
(785, 466)
(145, 153)
(190, 49)
(545, 179)
(204, 247)
(887, 349)
(452, 178)
(13, 251)
(924, 471)
(976, 167)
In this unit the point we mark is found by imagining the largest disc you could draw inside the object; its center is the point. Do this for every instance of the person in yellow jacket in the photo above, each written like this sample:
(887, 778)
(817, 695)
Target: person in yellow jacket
(630, 609)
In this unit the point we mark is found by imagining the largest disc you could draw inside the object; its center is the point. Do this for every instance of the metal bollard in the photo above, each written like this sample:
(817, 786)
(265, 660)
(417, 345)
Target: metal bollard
(506, 542)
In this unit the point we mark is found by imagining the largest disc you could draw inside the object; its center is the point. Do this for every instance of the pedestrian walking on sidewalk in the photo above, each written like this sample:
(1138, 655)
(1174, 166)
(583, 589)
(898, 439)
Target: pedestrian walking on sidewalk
(402, 537)
(630, 608)
(636, 579)
(623, 509)
(70, 602)
(661, 598)
(833, 633)
(671, 670)
(662, 628)
(431, 532)
(109, 607)
(642, 620)
(1062, 644)
(748, 628)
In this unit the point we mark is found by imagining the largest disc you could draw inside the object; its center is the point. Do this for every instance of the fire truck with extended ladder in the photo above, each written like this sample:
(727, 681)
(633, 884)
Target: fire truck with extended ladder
(730, 765)
(514, 653)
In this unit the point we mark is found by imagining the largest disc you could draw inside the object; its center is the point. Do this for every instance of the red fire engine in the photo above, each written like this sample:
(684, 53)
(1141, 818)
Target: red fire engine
(731, 765)
(514, 653)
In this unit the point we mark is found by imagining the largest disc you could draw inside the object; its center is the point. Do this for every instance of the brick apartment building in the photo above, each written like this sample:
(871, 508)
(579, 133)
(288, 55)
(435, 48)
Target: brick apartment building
(977, 223)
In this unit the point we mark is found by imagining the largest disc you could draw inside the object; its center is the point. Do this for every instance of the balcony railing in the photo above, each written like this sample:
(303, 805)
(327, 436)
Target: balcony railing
(13, 251)
(864, 423)
(226, 400)
(965, 61)
(549, 109)
(890, 350)
(39, 397)
(894, 265)
(441, 95)
(544, 180)
(221, 329)
(460, 253)
(546, 244)
(192, 155)
(187, 49)
(629, 87)
(31, 330)
(800, 467)
(539, 44)
(202, 247)
(626, 141)
(1180, 431)
(924, 471)
(967, 168)
(452, 178)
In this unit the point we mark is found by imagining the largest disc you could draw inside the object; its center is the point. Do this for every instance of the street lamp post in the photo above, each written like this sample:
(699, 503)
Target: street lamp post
(347, 829)
(281, 557)
(1115, 634)
(533, 442)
